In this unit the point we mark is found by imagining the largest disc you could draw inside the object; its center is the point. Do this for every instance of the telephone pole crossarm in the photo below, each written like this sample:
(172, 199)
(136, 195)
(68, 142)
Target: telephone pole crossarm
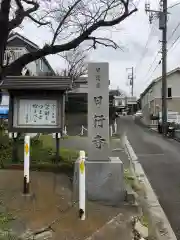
(153, 14)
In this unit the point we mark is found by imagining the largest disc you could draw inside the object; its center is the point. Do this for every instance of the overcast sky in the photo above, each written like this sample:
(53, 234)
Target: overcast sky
(133, 34)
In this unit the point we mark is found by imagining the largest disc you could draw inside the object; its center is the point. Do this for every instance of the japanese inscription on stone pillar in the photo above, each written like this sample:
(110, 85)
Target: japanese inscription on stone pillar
(98, 111)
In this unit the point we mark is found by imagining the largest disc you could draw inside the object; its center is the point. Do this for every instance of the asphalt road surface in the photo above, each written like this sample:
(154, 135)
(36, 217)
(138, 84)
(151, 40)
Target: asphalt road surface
(160, 159)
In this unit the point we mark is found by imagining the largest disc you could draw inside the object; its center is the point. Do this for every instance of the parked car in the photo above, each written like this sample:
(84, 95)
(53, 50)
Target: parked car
(138, 113)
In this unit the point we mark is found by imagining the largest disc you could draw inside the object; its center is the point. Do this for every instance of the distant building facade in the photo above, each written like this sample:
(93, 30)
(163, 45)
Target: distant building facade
(126, 103)
(151, 98)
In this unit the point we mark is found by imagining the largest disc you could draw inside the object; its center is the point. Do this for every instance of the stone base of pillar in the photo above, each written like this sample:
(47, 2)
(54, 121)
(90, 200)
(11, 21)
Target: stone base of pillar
(104, 181)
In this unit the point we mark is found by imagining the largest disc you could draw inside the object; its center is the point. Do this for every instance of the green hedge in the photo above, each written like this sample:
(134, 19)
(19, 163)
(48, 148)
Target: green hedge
(40, 152)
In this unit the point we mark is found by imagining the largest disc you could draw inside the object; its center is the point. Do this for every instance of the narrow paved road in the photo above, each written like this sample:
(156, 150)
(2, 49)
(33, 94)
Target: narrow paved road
(160, 159)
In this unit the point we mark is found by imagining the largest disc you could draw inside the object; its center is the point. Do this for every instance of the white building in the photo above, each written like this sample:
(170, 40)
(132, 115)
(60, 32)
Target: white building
(120, 101)
(151, 102)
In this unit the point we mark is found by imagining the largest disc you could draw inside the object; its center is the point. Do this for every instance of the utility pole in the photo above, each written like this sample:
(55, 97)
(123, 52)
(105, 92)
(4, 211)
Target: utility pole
(164, 66)
(131, 79)
(162, 15)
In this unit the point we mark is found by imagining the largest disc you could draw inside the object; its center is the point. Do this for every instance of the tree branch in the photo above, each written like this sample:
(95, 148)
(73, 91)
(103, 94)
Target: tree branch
(49, 49)
(21, 14)
(38, 21)
(63, 19)
(19, 4)
(103, 41)
(76, 63)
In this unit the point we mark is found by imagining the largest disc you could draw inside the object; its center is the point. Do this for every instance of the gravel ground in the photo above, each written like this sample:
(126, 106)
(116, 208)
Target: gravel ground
(51, 200)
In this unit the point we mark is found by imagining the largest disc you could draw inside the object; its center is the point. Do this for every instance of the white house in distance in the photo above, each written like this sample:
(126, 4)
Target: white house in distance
(151, 98)
(127, 103)
(120, 101)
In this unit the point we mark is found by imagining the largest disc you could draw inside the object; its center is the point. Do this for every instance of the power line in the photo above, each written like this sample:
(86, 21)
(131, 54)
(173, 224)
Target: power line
(152, 64)
(173, 32)
(175, 4)
(145, 48)
(160, 60)
(176, 40)
(162, 16)
(173, 35)
(152, 15)
(172, 45)
(154, 71)
(147, 79)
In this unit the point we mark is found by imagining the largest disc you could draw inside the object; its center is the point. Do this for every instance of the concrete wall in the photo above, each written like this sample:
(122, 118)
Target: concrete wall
(146, 114)
(172, 104)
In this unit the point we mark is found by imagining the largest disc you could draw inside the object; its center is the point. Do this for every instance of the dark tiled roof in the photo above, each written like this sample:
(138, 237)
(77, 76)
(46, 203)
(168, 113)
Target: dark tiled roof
(35, 83)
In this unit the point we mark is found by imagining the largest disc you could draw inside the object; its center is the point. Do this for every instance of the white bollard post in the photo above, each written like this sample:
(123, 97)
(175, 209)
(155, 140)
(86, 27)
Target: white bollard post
(26, 164)
(15, 135)
(82, 188)
(111, 131)
(82, 131)
(65, 131)
(115, 127)
(10, 135)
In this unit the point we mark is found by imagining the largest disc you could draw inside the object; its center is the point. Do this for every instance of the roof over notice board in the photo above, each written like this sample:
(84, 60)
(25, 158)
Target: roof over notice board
(36, 83)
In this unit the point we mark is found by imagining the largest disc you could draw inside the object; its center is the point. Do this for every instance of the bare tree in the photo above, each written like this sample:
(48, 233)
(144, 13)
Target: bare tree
(72, 22)
(76, 61)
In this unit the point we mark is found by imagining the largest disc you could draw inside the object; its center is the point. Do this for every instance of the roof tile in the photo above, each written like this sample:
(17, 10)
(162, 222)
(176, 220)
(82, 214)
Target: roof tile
(40, 82)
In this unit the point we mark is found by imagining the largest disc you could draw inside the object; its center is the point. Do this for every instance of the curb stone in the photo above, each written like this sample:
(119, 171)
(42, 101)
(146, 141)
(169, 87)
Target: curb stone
(159, 226)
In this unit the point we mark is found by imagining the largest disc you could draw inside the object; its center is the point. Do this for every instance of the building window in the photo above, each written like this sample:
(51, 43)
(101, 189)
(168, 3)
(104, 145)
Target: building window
(169, 92)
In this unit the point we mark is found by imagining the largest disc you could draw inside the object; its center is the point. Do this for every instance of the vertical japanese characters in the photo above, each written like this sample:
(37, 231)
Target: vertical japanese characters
(38, 113)
(98, 119)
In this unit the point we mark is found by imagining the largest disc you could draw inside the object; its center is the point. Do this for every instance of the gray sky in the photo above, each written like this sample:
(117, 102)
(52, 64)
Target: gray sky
(132, 35)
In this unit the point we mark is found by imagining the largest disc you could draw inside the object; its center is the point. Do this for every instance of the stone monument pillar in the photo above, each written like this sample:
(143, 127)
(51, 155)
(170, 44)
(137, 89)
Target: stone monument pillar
(98, 111)
(104, 175)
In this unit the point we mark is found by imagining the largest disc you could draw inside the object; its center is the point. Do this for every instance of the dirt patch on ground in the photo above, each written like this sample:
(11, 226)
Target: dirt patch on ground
(51, 199)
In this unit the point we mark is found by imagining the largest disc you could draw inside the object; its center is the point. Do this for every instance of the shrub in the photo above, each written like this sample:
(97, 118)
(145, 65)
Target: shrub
(40, 153)
(5, 150)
